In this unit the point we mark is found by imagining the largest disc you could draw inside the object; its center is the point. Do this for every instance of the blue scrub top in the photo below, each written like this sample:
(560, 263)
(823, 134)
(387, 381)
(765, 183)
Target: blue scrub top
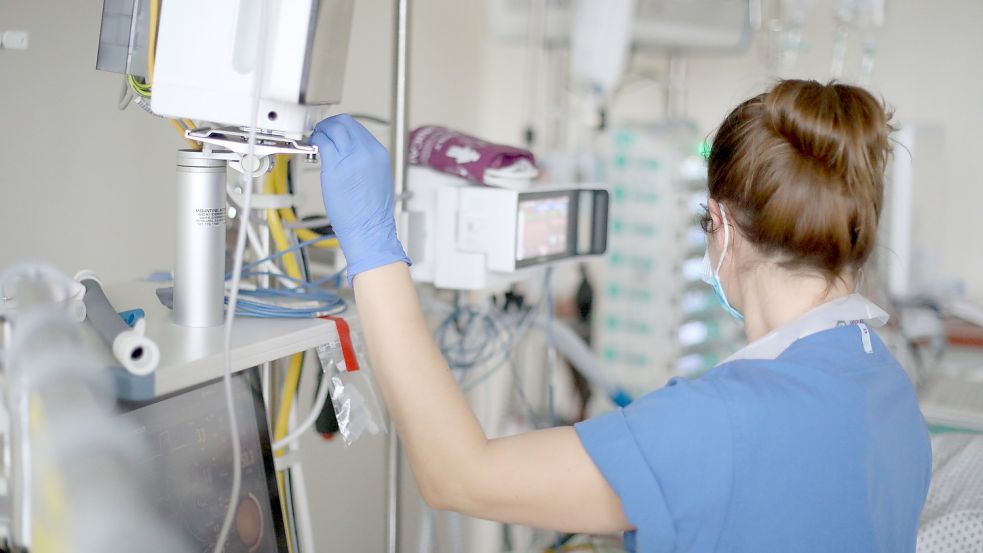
(821, 449)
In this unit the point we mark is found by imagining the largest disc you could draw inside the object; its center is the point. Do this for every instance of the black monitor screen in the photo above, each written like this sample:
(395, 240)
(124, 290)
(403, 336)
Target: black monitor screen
(190, 454)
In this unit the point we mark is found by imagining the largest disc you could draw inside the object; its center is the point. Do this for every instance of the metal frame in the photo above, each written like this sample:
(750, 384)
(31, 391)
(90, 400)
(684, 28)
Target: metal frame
(400, 105)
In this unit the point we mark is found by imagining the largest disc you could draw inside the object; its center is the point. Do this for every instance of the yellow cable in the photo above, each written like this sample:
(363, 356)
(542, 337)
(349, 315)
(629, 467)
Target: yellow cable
(292, 380)
(279, 235)
(180, 130)
(152, 40)
(287, 399)
(287, 214)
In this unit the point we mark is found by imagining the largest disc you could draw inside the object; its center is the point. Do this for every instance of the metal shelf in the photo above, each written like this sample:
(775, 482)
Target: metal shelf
(191, 356)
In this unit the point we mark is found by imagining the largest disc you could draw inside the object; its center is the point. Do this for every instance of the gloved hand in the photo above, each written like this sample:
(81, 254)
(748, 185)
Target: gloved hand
(357, 187)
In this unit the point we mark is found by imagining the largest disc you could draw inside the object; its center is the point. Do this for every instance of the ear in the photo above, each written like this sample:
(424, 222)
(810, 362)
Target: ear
(716, 220)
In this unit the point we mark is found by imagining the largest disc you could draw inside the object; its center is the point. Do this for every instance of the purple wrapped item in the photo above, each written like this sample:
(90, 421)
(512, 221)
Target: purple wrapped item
(459, 154)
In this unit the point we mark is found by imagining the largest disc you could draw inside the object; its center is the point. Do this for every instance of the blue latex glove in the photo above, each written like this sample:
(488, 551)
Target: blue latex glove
(357, 186)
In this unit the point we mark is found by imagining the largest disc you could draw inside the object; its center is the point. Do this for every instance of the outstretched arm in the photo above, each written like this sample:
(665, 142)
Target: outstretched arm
(543, 478)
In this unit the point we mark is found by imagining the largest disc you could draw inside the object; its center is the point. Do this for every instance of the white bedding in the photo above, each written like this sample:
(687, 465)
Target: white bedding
(952, 521)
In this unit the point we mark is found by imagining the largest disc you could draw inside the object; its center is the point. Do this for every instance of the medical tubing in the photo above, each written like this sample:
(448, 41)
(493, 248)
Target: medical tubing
(292, 380)
(309, 224)
(252, 238)
(277, 255)
(137, 353)
(240, 251)
(319, 402)
(580, 356)
(551, 357)
(279, 179)
(302, 516)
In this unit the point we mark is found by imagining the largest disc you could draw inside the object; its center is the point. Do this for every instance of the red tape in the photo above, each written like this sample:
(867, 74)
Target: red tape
(345, 335)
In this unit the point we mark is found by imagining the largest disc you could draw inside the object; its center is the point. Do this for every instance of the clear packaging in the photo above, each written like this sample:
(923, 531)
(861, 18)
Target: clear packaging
(353, 396)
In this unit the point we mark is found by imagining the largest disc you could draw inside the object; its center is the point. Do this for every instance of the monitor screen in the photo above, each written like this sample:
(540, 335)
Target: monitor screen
(543, 227)
(190, 455)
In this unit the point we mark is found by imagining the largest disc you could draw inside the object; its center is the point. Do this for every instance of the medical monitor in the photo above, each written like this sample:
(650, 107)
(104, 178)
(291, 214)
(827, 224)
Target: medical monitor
(543, 227)
(188, 440)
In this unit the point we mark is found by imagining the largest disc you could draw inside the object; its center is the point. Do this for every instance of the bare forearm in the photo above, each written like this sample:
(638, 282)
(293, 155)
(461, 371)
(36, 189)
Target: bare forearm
(441, 435)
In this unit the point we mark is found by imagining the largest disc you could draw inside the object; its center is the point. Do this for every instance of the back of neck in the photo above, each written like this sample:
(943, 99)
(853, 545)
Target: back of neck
(772, 297)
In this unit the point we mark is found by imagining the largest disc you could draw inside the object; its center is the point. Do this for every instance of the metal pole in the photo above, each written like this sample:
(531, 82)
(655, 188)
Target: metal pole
(398, 151)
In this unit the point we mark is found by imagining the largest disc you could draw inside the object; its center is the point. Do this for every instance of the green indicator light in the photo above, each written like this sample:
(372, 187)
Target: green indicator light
(703, 150)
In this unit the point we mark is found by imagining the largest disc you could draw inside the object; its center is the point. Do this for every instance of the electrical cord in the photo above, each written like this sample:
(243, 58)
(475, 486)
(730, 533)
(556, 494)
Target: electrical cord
(279, 254)
(319, 401)
(125, 94)
(237, 270)
(457, 353)
(370, 118)
(312, 224)
(279, 178)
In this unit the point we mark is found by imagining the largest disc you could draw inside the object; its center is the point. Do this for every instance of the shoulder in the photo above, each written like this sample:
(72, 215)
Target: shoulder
(669, 457)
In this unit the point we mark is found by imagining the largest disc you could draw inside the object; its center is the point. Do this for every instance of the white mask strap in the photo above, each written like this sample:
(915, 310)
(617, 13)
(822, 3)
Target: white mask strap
(723, 254)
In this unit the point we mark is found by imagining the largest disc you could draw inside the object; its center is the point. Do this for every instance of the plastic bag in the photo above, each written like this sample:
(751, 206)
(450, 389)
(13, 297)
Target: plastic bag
(352, 393)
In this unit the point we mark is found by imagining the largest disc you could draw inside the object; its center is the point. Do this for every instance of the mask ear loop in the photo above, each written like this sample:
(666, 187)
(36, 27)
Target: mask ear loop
(723, 254)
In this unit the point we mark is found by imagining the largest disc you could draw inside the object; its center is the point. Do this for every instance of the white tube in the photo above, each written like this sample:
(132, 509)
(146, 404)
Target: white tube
(136, 352)
(319, 402)
(576, 351)
(302, 509)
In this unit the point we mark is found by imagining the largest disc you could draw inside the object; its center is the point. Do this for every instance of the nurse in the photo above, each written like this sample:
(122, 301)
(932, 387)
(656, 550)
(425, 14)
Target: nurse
(809, 439)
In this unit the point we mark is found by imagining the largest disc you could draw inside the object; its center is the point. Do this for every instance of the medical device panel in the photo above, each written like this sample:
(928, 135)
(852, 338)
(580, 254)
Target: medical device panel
(189, 443)
(468, 237)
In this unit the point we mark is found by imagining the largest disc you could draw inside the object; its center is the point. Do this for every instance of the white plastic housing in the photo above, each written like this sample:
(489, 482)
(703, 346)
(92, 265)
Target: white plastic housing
(207, 52)
(464, 236)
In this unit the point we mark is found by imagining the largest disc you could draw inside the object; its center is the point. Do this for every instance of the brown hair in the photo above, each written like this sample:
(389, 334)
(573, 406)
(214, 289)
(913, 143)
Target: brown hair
(800, 170)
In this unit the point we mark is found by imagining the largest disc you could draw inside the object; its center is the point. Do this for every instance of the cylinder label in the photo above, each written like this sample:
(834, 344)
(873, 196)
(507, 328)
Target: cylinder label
(210, 217)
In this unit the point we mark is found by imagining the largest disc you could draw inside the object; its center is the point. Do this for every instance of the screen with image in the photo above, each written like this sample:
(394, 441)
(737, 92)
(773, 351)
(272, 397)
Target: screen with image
(543, 227)
(190, 456)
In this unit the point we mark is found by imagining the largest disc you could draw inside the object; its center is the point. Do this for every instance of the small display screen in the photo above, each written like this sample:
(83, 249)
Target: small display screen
(543, 227)
(191, 455)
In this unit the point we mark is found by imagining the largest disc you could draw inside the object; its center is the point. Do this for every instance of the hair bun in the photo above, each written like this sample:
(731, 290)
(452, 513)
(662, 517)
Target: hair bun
(833, 124)
(802, 168)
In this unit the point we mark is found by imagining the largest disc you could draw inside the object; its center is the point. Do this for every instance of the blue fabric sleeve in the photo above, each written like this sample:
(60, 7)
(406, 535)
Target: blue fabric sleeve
(669, 457)
(610, 443)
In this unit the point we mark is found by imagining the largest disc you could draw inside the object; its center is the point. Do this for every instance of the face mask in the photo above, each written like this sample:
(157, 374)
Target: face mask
(712, 276)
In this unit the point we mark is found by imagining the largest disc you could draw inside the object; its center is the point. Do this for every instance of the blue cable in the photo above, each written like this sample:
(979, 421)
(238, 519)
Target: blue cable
(279, 254)
(328, 303)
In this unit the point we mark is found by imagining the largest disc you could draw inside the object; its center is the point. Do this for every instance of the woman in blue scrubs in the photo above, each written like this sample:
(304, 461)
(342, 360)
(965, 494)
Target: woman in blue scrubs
(809, 439)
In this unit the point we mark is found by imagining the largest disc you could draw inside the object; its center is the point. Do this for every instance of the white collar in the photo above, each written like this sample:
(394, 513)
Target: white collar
(846, 310)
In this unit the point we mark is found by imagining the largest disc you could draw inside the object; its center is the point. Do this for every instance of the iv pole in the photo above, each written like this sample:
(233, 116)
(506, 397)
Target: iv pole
(398, 150)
